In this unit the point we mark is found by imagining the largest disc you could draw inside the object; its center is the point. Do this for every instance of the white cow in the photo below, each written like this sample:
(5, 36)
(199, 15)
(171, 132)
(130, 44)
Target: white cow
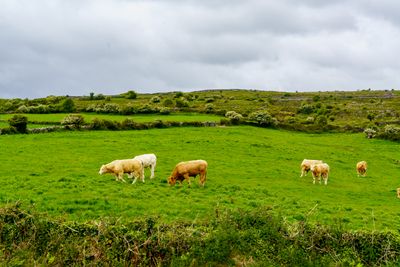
(148, 161)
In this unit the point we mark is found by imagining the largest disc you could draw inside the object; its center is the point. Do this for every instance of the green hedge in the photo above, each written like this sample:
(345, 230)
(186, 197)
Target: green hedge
(229, 238)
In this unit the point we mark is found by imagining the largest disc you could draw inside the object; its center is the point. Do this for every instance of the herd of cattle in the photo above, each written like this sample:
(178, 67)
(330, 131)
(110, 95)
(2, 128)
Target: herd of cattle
(184, 170)
(135, 169)
(320, 170)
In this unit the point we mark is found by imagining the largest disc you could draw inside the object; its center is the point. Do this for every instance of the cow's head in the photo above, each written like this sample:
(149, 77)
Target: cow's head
(171, 180)
(103, 169)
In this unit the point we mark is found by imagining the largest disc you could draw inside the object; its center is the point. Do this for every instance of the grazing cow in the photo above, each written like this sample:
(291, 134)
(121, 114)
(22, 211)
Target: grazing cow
(361, 168)
(319, 171)
(148, 161)
(398, 192)
(132, 167)
(306, 165)
(185, 170)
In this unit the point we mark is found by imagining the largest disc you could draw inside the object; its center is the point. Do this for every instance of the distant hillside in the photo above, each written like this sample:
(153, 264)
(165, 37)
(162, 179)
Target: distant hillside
(309, 111)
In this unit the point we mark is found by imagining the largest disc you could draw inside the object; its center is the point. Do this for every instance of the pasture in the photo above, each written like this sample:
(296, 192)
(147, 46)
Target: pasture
(249, 167)
(58, 117)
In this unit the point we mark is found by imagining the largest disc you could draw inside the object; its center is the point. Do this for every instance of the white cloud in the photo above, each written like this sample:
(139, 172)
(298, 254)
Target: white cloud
(110, 46)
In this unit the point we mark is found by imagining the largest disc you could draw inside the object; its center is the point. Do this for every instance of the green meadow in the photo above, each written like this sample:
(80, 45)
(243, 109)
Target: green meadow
(58, 117)
(249, 167)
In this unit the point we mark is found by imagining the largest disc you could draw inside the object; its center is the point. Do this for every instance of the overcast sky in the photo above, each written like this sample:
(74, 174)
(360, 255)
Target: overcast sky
(74, 47)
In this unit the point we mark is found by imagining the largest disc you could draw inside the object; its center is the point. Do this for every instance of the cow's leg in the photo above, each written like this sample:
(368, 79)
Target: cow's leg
(203, 178)
(187, 178)
(121, 177)
(116, 177)
(135, 178)
(153, 167)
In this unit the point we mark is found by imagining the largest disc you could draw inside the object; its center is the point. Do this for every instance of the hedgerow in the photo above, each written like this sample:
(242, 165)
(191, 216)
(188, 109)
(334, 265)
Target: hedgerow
(228, 238)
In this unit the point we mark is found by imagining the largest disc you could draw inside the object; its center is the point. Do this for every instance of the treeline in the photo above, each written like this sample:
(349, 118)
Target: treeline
(229, 238)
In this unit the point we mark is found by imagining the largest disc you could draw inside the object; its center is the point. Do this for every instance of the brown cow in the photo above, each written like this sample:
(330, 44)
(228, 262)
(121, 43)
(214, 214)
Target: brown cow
(361, 168)
(306, 165)
(320, 171)
(187, 169)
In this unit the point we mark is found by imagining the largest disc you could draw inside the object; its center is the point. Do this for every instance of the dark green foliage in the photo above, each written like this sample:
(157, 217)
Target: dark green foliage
(19, 122)
(306, 109)
(168, 102)
(229, 238)
(131, 95)
(178, 94)
(321, 120)
(68, 105)
(8, 130)
(181, 102)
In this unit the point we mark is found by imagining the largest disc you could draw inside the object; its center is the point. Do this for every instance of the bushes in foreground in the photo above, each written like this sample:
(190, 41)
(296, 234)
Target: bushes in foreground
(229, 238)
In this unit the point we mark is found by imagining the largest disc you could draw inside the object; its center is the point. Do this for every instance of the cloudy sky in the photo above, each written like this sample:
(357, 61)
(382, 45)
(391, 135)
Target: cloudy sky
(74, 47)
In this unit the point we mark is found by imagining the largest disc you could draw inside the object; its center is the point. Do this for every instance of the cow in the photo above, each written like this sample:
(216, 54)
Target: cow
(398, 192)
(320, 170)
(132, 167)
(148, 161)
(306, 165)
(187, 169)
(361, 168)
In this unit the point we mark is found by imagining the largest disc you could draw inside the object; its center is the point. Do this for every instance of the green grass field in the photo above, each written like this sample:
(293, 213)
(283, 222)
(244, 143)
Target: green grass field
(57, 117)
(248, 167)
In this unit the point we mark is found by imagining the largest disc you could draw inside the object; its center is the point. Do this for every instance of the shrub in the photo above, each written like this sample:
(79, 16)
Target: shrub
(97, 124)
(19, 122)
(8, 130)
(310, 120)
(155, 99)
(234, 117)
(209, 108)
(165, 111)
(148, 109)
(168, 102)
(321, 120)
(111, 108)
(181, 102)
(128, 124)
(178, 95)
(390, 132)
(306, 109)
(111, 125)
(22, 109)
(73, 121)
(263, 118)
(128, 110)
(131, 95)
(369, 133)
(68, 105)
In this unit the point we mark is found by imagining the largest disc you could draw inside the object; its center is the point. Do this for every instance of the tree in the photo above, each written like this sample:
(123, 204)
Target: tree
(371, 116)
(131, 95)
(91, 97)
(20, 123)
(68, 105)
